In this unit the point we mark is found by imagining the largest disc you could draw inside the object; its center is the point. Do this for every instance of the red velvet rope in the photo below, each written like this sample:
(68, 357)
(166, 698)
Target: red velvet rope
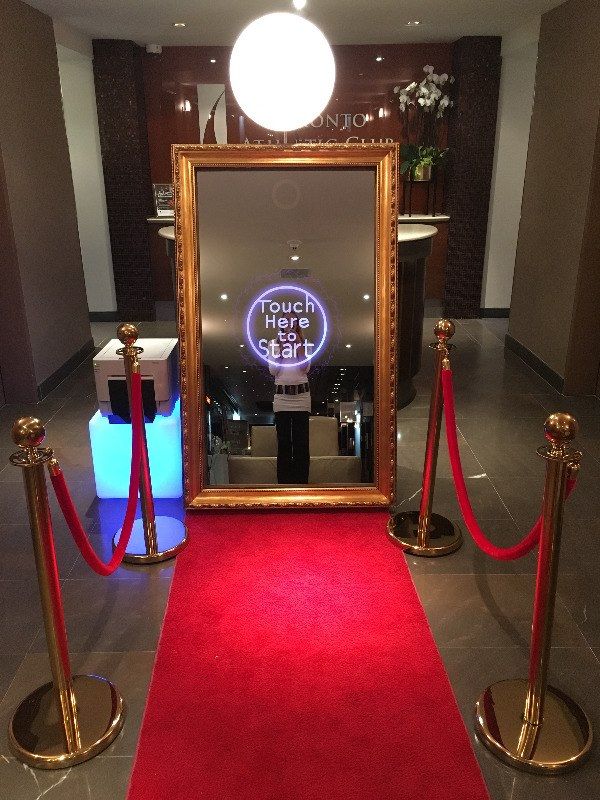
(69, 511)
(481, 540)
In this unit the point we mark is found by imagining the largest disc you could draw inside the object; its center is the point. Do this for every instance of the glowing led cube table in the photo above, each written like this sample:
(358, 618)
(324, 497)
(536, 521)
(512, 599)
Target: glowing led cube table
(111, 455)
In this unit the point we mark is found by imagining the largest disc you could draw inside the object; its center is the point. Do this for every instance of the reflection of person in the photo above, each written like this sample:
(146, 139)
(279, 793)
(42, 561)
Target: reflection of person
(292, 409)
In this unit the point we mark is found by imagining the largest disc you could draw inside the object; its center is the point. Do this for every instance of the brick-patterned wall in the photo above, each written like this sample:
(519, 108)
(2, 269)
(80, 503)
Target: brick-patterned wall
(471, 138)
(124, 143)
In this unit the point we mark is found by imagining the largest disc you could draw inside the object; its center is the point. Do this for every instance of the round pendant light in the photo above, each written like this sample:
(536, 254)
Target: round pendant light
(282, 71)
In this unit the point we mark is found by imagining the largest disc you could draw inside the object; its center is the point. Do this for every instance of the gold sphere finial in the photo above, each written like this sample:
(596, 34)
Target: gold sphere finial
(559, 429)
(28, 432)
(444, 329)
(127, 334)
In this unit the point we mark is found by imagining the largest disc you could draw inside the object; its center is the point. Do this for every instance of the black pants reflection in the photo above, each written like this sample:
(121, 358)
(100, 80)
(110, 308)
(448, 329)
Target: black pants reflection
(293, 456)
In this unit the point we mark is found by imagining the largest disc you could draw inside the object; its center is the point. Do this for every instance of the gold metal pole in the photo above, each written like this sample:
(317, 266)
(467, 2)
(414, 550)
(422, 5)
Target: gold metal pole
(73, 718)
(422, 532)
(144, 546)
(527, 723)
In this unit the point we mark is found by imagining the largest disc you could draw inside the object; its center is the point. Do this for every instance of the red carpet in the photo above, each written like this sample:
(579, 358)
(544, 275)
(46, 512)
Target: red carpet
(296, 663)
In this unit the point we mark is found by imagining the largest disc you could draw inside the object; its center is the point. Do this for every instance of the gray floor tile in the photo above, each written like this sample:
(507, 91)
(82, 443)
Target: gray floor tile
(486, 502)
(574, 670)
(113, 616)
(469, 559)
(102, 778)
(130, 672)
(487, 610)
(17, 552)
(523, 497)
(9, 664)
(20, 615)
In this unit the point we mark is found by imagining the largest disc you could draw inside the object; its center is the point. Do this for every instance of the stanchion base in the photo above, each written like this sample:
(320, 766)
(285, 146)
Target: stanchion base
(444, 536)
(171, 535)
(35, 734)
(560, 743)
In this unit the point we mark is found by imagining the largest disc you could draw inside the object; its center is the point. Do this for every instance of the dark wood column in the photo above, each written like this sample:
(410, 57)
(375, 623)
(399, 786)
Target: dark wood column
(119, 85)
(471, 137)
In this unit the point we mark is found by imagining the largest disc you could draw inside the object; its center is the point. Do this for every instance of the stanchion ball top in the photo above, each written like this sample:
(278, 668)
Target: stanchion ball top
(28, 432)
(444, 329)
(560, 428)
(127, 334)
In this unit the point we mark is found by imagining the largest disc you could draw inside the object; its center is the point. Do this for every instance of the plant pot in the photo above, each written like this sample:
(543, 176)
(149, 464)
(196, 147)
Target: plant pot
(421, 172)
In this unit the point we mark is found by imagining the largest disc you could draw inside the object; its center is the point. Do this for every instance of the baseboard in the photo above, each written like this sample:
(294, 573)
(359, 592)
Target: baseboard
(58, 376)
(104, 316)
(494, 313)
(537, 365)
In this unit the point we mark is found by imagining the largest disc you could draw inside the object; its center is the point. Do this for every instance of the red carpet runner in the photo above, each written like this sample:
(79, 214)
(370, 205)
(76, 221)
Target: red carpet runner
(296, 663)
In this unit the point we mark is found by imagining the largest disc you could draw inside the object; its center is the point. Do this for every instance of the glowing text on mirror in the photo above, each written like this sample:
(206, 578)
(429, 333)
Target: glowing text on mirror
(286, 326)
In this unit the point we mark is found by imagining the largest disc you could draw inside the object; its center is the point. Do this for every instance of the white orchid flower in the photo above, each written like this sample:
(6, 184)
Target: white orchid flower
(443, 78)
(396, 89)
(451, 78)
(422, 101)
(428, 68)
(411, 86)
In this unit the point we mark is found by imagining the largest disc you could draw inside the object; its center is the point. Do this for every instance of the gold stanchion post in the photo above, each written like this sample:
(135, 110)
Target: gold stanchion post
(526, 723)
(74, 717)
(153, 539)
(422, 532)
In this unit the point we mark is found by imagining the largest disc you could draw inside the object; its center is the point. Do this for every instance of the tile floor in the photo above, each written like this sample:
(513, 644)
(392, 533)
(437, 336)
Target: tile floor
(479, 609)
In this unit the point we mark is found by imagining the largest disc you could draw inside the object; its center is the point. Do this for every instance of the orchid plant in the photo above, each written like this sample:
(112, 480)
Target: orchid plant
(422, 105)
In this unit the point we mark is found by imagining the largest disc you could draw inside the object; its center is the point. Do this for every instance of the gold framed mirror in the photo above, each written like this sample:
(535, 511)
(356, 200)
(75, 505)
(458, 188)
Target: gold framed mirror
(286, 294)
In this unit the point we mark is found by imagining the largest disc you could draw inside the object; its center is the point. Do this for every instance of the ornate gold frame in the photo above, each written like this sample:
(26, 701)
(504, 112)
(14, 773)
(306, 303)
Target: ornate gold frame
(384, 159)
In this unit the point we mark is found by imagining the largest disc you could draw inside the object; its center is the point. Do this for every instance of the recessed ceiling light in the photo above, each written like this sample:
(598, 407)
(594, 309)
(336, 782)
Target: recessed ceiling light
(366, 296)
(412, 22)
(348, 346)
(223, 296)
(213, 61)
(294, 258)
(242, 345)
(179, 24)
(378, 58)
(298, 4)
(226, 367)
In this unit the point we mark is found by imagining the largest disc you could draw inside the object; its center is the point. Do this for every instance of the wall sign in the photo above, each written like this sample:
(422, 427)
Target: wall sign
(286, 325)
(164, 202)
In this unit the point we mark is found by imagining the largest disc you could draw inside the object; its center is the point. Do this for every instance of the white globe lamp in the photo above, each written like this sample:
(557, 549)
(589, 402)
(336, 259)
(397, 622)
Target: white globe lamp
(282, 71)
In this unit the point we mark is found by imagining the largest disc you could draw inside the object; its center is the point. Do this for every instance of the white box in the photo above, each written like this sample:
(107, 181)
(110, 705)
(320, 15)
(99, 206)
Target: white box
(158, 364)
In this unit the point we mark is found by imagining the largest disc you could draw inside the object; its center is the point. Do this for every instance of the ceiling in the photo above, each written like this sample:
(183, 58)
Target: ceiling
(343, 22)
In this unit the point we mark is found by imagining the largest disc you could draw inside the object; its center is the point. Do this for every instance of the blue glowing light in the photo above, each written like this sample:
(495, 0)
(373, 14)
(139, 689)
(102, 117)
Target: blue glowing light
(262, 298)
(111, 454)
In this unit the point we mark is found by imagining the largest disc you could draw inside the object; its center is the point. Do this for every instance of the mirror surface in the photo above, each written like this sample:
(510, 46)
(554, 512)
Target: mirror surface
(287, 306)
